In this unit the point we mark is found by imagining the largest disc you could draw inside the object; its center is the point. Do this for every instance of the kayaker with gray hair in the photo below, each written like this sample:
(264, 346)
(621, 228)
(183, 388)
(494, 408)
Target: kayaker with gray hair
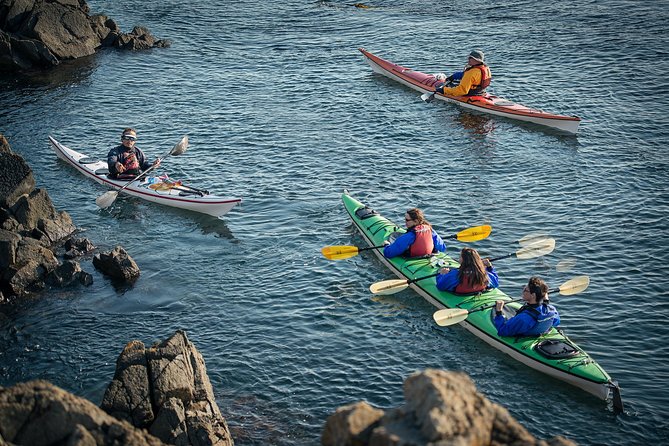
(474, 274)
(473, 80)
(126, 161)
(420, 240)
(534, 318)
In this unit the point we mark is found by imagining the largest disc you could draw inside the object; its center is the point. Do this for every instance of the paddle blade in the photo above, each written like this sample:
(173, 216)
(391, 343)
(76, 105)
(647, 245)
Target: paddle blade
(474, 234)
(339, 252)
(450, 316)
(532, 238)
(105, 200)
(427, 97)
(180, 147)
(565, 265)
(388, 286)
(574, 286)
(536, 249)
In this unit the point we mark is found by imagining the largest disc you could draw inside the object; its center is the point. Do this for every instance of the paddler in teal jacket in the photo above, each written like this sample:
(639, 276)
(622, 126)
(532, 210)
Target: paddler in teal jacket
(473, 80)
(420, 240)
(534, 318)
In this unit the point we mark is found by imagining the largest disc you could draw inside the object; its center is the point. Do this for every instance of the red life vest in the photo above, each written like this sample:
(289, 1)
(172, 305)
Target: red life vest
(423, 245)
(130, 162)
(465, 287)
(486, 77)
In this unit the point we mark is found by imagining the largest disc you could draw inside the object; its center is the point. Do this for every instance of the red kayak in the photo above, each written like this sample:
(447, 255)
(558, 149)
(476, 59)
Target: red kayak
(485, 103)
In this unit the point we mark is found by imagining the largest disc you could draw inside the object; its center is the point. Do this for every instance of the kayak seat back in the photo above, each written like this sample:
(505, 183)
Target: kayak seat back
(556, 349)
(365, 212)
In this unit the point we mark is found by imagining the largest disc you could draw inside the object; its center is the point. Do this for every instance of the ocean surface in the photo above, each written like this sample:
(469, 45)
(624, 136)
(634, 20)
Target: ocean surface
(282, 110)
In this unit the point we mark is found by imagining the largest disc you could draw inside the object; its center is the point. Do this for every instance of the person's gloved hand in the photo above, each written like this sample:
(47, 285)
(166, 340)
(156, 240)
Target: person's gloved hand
(439, 88)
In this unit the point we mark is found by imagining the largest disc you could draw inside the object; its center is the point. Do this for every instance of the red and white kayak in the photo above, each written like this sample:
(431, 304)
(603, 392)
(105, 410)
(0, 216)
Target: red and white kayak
(485, 103)
(170, 194)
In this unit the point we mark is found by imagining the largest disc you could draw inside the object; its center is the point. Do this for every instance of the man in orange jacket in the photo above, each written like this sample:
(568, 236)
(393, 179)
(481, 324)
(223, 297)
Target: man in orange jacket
(473, 80)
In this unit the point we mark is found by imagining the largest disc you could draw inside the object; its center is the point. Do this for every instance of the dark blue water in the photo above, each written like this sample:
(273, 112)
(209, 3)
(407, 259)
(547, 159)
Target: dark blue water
(281, 110)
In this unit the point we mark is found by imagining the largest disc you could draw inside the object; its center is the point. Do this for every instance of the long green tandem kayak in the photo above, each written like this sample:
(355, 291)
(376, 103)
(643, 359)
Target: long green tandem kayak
(552, 353)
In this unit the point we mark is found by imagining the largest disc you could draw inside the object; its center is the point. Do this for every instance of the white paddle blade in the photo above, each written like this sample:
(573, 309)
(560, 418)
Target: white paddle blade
(450, 316)
(565, 265)
(427, 97)
(105, 200)
(388, 286)
(532, 238)
(180, 147)
(575, 285)
(536, 249)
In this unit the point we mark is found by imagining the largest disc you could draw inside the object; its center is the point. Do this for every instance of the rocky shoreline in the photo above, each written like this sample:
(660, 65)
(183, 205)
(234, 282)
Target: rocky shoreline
(39, 34)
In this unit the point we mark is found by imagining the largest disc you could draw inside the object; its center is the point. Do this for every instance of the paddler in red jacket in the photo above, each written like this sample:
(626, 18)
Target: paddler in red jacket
(420, 240)
(473, 80)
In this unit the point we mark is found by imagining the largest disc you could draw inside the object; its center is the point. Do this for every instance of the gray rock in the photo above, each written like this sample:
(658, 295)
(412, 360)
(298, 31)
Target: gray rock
(42, 33)
(30, 209)
(179, 391)
(117, 264)
(38, 413)
(441, 408)
(9, 242)
(16, 178)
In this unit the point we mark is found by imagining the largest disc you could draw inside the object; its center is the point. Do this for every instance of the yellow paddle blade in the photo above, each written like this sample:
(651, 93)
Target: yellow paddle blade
(339, 252)
(532, 238)
(474, 234)
(575, 285)
(450, 316)
(536, 249)
(388, 286)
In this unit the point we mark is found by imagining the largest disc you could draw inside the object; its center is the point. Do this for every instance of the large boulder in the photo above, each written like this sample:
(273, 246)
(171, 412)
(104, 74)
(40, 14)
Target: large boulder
(117, 264)
(16, 177)
(42, 33)
(38, 413)
(441, 408)
(166, 390)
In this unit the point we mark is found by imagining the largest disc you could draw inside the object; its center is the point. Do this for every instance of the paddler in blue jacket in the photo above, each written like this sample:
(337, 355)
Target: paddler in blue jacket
(534, 318)
(473, 276)
(420, 240)
(473, 80)
(125, 160)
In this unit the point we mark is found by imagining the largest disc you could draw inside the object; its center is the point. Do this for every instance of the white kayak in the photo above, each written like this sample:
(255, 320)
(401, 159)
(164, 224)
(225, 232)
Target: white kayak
(170, 194)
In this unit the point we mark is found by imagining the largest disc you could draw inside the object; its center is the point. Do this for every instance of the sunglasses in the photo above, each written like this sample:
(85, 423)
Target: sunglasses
(128, 138)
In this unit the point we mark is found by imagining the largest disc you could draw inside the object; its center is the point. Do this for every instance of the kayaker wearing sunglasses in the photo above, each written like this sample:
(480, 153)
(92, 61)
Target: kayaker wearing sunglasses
(473, 80)
(534, 318)
(420, 240)
(126, 161)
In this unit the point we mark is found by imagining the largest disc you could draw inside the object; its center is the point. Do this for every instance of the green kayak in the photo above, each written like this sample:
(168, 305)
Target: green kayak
(552, 353)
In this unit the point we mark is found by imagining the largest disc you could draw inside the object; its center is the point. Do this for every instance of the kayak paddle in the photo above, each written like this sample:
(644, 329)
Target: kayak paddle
(532, 238)
(452, 316)
(105, 200)
(537, 249)
(340, 252)
(565, 265)
(428, 97)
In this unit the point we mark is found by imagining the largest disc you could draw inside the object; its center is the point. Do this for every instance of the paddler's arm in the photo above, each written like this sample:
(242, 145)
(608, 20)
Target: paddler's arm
(447, 279)
(471, 77)
(439, 244)
(400, 245)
